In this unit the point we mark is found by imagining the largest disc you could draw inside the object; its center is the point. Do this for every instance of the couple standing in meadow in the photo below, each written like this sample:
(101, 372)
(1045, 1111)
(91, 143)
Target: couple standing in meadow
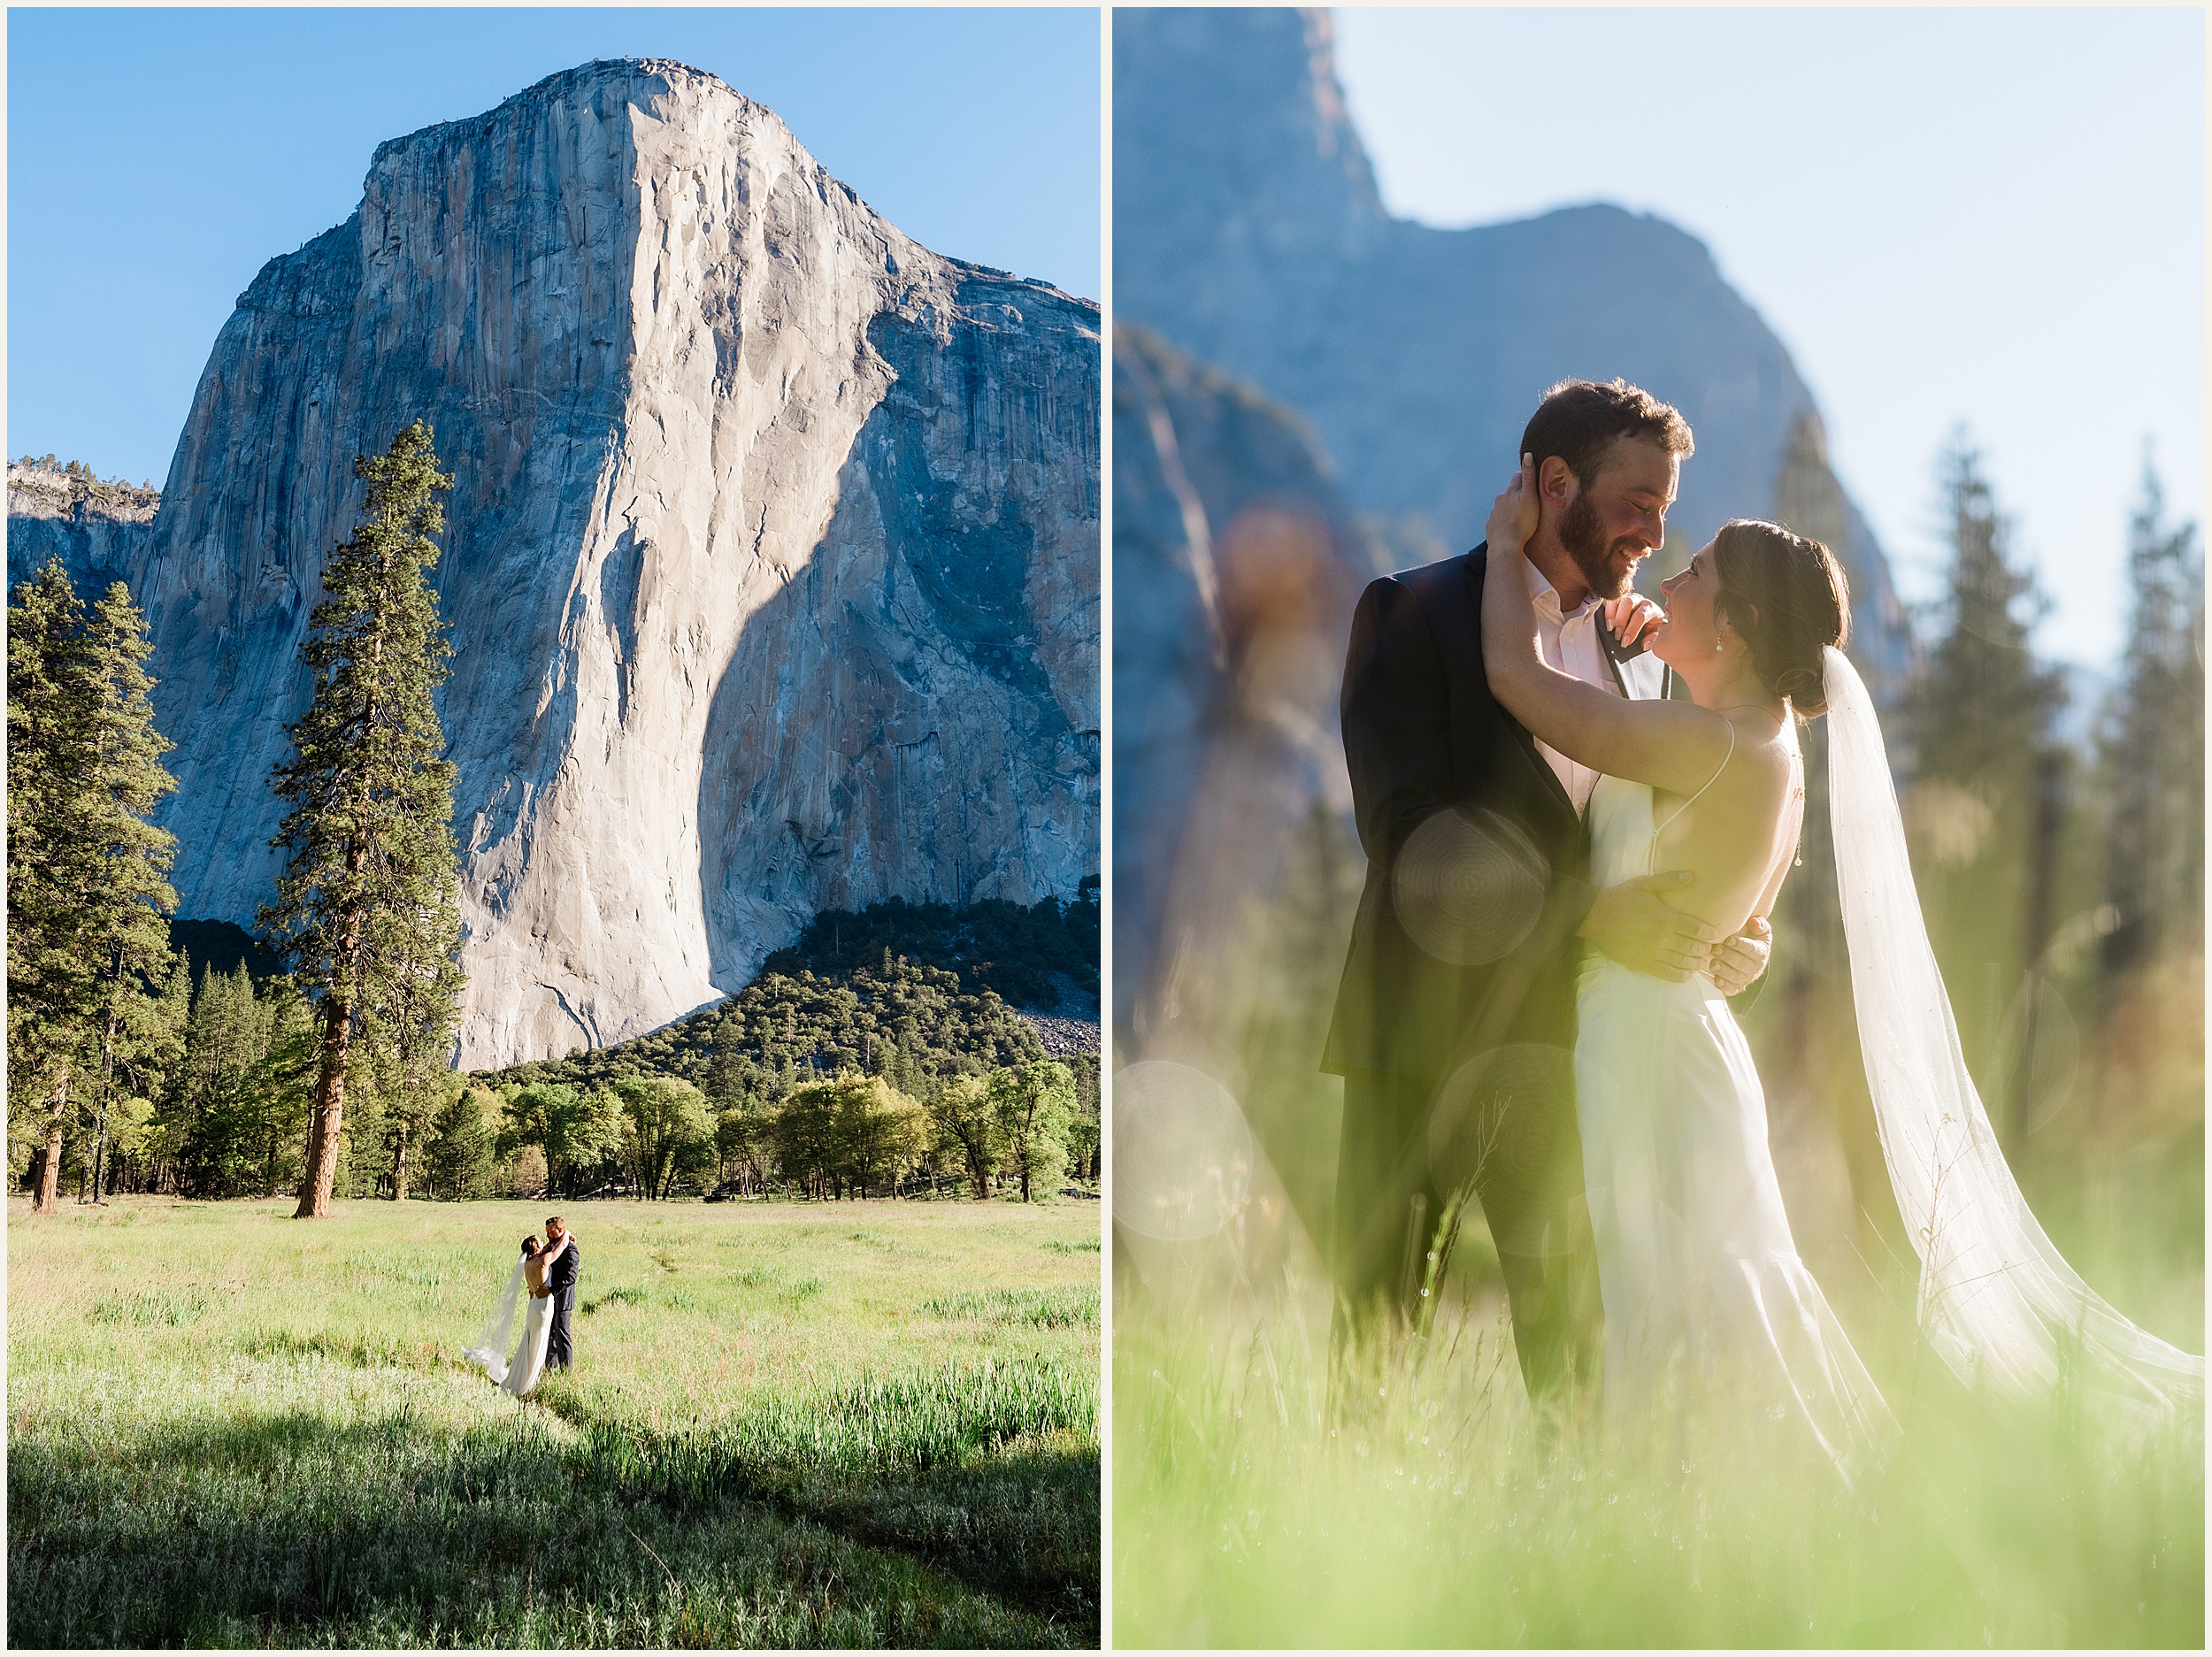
(1540, 758)
(547, 1273)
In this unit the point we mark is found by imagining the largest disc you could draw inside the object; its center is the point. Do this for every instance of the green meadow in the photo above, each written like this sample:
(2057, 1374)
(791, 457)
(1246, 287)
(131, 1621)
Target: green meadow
(1423, 1504)
(861, 1424)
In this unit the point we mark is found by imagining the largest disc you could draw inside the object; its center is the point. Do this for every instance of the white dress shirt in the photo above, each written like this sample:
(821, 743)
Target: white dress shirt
(1570, 643)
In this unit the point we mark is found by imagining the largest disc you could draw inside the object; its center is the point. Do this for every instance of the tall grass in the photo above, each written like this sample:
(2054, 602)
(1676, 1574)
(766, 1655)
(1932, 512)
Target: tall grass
(1424, 1504)
(227, 1429)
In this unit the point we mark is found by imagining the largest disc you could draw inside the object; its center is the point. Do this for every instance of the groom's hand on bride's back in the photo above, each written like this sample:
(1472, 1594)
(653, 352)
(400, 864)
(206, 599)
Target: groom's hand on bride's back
(1630, 923)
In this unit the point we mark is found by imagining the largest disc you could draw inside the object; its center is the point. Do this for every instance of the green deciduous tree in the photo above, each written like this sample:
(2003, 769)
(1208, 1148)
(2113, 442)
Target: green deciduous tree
(966, 1121)
(368, 906)
(666, 1130)
(879, 1131)
(578, 1129)
(1033, 1105)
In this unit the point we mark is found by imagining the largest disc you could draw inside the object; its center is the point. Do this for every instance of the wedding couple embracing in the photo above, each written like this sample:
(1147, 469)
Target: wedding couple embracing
(546, 1275)
(1579, 808)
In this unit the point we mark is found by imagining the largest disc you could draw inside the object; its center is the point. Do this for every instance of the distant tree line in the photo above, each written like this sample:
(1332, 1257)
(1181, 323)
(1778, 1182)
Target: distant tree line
(79, 474)
(231, 1063)
(1020, 954)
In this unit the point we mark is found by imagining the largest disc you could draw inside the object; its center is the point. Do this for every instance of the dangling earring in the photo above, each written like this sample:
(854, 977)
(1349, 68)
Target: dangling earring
(1716, 646)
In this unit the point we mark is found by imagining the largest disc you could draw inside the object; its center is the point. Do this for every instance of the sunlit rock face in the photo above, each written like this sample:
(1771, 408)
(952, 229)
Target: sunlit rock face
(1248, 231)
(772, 570)
(99, 531)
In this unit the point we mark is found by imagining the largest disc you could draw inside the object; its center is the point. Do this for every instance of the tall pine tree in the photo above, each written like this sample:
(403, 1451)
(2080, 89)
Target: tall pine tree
(2154, 747)
(1988, 776)
(130, 927)
(50, 740)
(86, 886)
(368, 909)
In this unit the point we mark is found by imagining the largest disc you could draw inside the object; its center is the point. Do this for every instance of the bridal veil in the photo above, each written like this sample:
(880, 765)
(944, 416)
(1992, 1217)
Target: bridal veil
(1996, 1301)
(498, 1337)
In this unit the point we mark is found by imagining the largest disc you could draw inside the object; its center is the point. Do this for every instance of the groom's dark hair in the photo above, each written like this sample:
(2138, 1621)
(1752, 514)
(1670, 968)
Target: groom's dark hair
(1579, 419)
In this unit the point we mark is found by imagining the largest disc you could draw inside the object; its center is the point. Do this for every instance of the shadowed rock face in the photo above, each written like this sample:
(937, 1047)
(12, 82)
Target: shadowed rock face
(772, 571)
(1248, 231)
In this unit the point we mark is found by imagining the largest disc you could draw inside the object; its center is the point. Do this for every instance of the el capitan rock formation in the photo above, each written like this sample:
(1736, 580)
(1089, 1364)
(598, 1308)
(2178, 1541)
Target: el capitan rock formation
(772, 562)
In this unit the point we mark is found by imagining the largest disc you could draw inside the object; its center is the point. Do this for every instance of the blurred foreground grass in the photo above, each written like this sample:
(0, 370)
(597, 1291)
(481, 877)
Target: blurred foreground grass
(1431, 1508)
(788, 1425)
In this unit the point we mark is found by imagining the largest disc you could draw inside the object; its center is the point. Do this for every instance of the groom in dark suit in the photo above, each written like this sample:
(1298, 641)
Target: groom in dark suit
(561, 1281)
(1454, 1024)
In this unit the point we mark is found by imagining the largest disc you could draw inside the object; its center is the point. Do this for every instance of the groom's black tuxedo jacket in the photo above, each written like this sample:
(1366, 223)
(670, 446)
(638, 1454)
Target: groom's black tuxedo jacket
(562, 1278)
(1422, 735)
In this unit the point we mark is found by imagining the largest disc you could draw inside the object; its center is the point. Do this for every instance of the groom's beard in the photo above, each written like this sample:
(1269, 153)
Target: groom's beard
(1610, 570)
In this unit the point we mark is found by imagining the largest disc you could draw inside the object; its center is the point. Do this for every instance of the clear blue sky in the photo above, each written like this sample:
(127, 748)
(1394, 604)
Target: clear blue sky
(158, 159)
(1994, 217)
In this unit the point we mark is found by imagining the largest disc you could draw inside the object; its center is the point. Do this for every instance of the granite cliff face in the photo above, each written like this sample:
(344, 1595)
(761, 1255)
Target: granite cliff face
(99, 530)
(1248, 231)
(772, 572)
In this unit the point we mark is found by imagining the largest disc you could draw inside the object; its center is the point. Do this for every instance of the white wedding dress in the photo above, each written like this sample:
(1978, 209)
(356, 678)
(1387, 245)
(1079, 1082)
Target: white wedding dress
(1699, 1278)
(1696, 1267)
(520, 1373)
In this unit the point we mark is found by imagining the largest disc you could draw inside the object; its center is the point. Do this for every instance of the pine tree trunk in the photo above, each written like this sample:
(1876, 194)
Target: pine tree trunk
(48, 1192)
(324, 1116)
(328, 1111)
(107, 1085)
(399, 1165)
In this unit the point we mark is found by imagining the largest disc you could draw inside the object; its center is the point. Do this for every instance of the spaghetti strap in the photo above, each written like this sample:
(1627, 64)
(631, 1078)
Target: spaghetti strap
(1693, 799)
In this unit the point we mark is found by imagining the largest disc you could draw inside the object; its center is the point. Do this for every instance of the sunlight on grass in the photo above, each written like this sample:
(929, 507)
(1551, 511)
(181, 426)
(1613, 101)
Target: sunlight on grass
(226, 1428)
(1426, 1505)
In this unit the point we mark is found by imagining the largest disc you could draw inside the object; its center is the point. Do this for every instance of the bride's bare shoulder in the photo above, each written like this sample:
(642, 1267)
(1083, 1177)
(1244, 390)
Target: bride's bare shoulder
(1765, 749)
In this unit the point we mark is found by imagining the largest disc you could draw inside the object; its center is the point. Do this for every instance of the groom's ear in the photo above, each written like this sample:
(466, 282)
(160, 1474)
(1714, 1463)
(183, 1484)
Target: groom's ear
(1555, 481)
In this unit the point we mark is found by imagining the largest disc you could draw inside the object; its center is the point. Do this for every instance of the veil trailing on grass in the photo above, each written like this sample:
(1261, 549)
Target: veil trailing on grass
(497, 1339)
(1996, 1299)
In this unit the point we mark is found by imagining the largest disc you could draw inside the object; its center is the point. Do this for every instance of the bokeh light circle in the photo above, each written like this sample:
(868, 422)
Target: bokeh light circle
(1504, 1113)
(1468, 885)
(1182, 1152)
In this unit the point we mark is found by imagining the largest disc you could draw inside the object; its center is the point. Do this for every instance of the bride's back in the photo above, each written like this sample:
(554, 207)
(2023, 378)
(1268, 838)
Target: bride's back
(1739, 834)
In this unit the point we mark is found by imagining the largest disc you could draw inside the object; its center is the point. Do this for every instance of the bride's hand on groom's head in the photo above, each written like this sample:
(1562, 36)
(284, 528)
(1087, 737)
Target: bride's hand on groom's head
(1513, 514)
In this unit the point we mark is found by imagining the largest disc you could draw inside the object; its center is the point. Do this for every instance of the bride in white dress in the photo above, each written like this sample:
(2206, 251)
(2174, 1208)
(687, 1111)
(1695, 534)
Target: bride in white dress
(521, 1373)
(1696, 1264)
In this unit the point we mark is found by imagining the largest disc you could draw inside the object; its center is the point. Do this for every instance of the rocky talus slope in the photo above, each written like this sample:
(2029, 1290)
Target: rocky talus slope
(772, 566)
(1248, 231)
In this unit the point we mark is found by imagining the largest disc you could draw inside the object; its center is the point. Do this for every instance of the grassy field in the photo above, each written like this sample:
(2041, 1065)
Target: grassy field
(818, 1424)
(1426, 1507)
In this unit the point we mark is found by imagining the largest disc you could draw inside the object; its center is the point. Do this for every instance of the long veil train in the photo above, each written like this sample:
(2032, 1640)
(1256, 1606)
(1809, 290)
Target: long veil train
(496, 1340)
(1996, 1299)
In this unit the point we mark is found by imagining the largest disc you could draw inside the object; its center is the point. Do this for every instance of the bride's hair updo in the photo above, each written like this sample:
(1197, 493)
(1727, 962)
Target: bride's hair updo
(1786, 594)
(529, 1246)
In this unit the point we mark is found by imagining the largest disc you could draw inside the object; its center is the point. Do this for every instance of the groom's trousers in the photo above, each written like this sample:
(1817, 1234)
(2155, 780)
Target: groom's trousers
(1519, 1150)
(558, 1355)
